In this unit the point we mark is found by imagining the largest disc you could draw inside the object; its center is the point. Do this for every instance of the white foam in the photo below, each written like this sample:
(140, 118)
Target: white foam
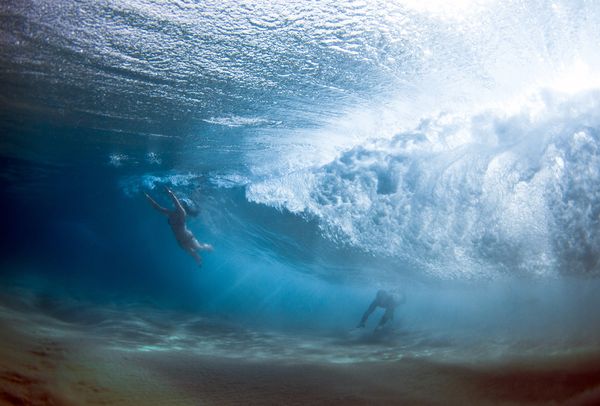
(133, 185)
(238, 121)
(466, 195)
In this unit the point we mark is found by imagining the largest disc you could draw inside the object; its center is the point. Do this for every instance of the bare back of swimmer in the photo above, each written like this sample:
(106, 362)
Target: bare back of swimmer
(176, 219)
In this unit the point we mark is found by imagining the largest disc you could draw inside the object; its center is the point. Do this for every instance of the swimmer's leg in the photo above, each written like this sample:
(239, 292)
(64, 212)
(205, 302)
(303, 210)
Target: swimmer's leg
(197, 257)
(205, 247)
(202, 247)
(387, 316)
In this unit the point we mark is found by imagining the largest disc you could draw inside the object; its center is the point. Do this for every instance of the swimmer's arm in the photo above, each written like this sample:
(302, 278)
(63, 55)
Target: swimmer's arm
(387, 316)
(157, 206)
(389, 310)
(365, 316)
(178, 207)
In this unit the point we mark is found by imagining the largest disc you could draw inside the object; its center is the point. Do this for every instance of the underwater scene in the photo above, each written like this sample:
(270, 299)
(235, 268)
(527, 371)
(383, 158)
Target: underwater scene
(296, 202)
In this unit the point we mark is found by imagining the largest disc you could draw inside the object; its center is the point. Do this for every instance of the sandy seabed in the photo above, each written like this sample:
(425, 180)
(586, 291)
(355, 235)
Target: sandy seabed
(58, 352)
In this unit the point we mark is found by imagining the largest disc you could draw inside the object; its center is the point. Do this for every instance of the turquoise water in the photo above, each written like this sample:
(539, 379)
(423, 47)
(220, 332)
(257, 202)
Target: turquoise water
(333, 149)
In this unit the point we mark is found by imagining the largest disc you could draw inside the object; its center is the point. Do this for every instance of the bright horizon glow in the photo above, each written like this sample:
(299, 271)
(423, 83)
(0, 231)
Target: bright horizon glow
(451, 9)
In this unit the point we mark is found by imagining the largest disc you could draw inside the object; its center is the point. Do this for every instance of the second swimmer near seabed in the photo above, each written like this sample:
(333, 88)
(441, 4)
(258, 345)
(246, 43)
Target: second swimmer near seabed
(186, 240)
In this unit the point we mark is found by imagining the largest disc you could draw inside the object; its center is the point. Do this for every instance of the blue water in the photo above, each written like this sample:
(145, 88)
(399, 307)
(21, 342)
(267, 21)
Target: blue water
(333, 149)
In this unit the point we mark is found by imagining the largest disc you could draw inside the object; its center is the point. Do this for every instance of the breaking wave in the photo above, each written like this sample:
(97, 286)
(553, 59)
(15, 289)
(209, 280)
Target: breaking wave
(495, 192)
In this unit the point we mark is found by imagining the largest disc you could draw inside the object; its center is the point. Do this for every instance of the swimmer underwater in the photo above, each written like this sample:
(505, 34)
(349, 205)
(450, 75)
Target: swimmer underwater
(183, 235)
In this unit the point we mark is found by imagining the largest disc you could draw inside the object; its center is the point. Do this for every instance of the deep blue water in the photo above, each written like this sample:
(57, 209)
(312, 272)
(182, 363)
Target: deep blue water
(333, 149)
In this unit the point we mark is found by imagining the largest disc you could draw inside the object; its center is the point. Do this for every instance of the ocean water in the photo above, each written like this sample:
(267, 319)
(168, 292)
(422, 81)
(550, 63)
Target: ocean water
(450, 152)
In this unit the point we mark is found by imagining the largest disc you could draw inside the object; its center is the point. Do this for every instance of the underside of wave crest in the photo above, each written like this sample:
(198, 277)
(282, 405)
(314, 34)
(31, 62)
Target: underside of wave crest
(466, 196)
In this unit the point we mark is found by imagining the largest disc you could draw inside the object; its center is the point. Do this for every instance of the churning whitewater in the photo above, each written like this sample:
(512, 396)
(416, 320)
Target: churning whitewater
(461, 196)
